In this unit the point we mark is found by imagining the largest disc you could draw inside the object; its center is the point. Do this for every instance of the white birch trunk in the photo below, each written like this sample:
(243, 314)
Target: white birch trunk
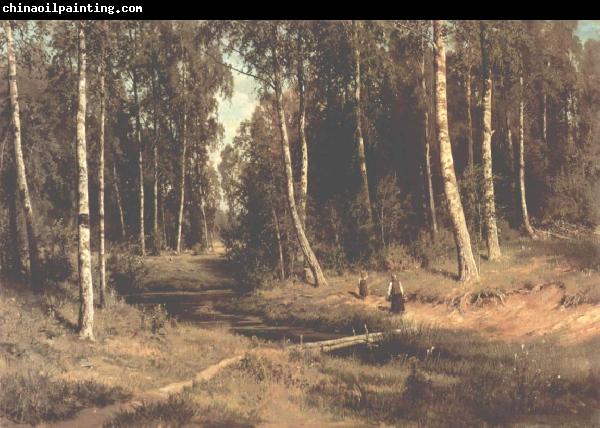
(34, 255)
(86, 291)
(467, 269)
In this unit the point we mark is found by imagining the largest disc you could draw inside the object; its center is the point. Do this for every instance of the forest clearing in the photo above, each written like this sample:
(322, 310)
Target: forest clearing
(300, 223)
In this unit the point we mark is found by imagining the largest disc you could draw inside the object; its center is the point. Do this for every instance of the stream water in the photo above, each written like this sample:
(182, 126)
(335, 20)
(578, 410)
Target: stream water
(198, 307)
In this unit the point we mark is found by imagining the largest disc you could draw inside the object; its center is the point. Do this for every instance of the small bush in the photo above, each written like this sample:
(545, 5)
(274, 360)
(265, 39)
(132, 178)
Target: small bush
(154, 318)
(198, 249)
(428, 250)
(32, 398)
(55, 268)
(177, 411)
(416, 387)
(55, 264)
(396, 258)
(180, 410)
(126, 269)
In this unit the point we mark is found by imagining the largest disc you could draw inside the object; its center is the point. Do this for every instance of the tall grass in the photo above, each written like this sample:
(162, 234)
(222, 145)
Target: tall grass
(33, 397)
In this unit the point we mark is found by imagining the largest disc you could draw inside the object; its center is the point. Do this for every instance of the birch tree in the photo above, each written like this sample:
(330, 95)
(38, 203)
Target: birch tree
(86, 292)
(101, 137)
(32, 241)
(489, 206)
(467, 269)
(521, 163)
(307, 251)
(362, 160)
(426, 143)
(302, 126)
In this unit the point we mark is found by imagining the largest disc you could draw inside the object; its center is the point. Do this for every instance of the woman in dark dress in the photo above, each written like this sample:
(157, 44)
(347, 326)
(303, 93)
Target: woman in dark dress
(396, 294)
(363, 285)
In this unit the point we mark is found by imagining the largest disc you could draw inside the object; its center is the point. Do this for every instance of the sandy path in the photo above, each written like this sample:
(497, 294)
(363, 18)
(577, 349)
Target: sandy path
(96, 417)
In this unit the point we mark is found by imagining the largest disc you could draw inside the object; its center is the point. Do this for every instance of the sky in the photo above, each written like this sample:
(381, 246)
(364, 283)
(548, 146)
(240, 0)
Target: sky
(241, 106)
(233, 112)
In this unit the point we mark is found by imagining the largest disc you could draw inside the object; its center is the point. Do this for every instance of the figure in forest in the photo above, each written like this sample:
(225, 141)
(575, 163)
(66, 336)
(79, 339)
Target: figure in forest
(395, 294)
(363, 285)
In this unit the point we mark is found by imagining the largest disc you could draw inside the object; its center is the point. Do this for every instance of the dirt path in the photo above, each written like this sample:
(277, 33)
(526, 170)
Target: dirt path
(97, 417)
(523, 315)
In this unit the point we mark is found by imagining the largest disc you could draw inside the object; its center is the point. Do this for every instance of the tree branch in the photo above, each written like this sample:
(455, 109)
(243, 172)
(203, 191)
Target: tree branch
(246, 73)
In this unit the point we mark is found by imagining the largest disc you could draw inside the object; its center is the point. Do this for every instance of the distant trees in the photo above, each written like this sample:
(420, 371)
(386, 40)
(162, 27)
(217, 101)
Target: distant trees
(334, 167)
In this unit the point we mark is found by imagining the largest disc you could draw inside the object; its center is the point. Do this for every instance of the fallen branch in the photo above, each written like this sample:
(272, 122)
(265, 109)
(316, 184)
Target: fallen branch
(343, 342)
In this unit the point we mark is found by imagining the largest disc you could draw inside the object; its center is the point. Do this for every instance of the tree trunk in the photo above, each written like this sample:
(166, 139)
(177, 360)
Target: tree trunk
(467, 269)
(16, 244)
(279, 245)
(302, 134)
(118, 194)
(569, 119)
(362, 160)
(162, 218)
(545, 108)
(204, 223)
(182, 185)
(489, 206)
(155, 234)
(524, 214)
(307, 251)
(183, 156)
(138, 132)
(429, 181)
(544, 118)
(86, 291)
(509, 139)
(470, 155)
(34, 255)
(101, 255)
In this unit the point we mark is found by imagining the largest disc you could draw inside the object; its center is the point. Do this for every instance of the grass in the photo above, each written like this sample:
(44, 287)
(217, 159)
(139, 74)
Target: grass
(181, 410)
(422, 377)
(458, 377)
(135, 350)
(526, 265)
(34, 397)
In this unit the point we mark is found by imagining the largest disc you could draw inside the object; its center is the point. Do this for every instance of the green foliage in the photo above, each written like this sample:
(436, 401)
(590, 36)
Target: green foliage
(396, 258)
(126, 270)
(56, 262)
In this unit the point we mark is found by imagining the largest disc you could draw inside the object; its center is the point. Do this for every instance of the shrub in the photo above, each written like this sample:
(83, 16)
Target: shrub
(428, 250)
(55, 264)
(32, 398)
(126, 269)
(180, 410)
(154, 318)
(397, 258)
(177, 411)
